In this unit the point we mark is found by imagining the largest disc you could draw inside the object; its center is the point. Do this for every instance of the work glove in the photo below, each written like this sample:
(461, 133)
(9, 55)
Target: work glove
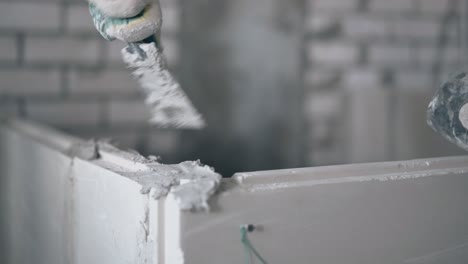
(127, 20)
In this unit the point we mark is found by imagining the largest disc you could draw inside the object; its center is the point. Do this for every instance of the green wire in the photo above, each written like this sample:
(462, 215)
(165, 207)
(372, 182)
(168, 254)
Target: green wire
(249, 247)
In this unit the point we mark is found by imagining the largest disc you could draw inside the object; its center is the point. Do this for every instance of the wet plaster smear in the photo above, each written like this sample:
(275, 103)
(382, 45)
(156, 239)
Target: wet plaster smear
(188, 186)
(190, 182)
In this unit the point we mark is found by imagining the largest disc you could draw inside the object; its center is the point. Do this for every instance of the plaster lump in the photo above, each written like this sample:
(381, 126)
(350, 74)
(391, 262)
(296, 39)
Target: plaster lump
(191, 183)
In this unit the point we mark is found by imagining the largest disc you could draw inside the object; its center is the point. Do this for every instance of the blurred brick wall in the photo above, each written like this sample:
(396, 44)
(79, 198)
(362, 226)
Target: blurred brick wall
(370, 77)
(56, 69)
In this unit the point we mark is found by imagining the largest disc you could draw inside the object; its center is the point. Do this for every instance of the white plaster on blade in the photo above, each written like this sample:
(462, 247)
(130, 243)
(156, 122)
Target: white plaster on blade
(169, 104)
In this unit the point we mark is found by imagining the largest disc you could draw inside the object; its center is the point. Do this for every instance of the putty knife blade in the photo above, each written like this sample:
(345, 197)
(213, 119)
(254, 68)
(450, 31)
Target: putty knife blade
(169, 105)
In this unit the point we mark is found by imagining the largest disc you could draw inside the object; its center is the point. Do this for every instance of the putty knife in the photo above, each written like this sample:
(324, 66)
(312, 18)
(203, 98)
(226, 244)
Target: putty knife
(168, 103)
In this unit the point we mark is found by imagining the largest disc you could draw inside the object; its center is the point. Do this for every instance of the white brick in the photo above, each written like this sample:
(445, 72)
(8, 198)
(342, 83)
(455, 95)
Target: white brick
(322, 105)
(414, 80)
(29, 82)
(366, 27)
(79, 20)
(392, 6)
(361, 77)
(29, 16)
(102, 82)
(322, 23)
(64, 113)
(333, 53)
(321, 78)
(61, 50)
(416, 28)
(334, 5)
(390, 54)
(437, 7)
(128, 112)
(427, 56)
(8, 49)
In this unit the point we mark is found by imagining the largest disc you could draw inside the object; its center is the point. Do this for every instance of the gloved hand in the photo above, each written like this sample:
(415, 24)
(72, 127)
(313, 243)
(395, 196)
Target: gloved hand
(138, 22)
(127, 20)
(120, 8)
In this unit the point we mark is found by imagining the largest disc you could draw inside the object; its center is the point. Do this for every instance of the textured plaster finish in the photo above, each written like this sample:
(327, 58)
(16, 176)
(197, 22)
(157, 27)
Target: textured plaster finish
(191, 183)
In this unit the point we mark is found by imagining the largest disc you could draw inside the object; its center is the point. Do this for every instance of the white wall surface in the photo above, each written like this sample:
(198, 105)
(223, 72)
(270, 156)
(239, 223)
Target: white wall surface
(387, 213)
(59, 209)
(36, 180)
(113, 222)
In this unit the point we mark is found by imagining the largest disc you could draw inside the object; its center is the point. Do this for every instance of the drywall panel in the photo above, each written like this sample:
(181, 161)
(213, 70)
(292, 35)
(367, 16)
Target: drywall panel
(36, 185)
(58, 209)
(114, 223)
(386, 213)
